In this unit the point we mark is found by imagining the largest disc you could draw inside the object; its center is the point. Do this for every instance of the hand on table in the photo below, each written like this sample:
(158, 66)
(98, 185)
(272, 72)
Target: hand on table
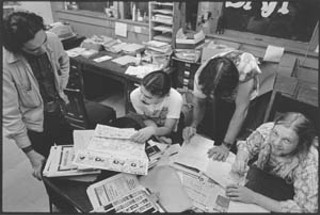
(143, 134)
(219, 153)
(240, 193)
(188, 133)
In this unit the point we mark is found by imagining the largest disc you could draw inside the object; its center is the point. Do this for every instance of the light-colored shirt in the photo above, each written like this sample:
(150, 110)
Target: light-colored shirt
(169, 108)
(303, 173)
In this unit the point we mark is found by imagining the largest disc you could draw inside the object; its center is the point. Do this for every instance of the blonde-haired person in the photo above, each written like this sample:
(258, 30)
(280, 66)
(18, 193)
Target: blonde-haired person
(284, 178)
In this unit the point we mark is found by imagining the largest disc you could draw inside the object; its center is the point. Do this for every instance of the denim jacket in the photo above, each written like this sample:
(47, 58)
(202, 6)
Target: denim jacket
(22, 102)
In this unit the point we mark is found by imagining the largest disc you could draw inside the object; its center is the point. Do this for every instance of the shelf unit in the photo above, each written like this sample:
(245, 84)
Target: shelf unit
(165, 20)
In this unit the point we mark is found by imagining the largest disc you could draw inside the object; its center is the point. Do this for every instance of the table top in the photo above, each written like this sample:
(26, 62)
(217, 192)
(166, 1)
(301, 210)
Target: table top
(75, 192)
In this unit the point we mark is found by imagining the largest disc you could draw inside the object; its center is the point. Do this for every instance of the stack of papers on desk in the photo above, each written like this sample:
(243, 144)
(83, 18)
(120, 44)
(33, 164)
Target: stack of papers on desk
(121, 193)
(133, 48)
(124, 60)
(75, 52)
(111, 149)
(60, 163)
(141, 71)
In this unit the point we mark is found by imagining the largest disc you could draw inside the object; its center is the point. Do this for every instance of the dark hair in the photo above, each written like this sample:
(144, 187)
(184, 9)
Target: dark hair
(157, 83)
(303, 127)
(219, 76)
(20, 27)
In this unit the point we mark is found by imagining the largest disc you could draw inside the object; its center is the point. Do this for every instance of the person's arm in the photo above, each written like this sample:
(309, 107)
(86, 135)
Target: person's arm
(305, 198)
(199, 109)
(242, 104)
(241, 111)
(14, 126)
(63, 60)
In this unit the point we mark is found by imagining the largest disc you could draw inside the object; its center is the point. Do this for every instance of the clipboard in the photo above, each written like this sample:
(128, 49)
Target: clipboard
(164, 181)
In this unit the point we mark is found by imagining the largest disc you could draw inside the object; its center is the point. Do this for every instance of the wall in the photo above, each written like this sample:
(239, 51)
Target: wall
(42, 8)
(88, 23)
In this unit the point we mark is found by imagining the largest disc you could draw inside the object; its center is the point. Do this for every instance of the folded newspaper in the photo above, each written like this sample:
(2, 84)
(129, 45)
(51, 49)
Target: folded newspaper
(111, 149)
(121, 193)
(59, 163)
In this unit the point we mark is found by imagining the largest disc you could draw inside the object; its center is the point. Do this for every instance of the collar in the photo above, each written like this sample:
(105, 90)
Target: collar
(14, 57)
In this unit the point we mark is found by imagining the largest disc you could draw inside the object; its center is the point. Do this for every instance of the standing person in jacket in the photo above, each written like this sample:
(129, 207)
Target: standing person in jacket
(35, 72)
(284, 178)
(229, 80)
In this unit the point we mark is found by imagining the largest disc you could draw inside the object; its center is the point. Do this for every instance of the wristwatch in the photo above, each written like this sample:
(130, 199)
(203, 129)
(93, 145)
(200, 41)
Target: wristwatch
(27, 149)
(228, 145)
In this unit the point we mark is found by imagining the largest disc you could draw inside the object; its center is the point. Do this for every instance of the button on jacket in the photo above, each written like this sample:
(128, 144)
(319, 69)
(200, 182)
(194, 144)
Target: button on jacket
(22, 102)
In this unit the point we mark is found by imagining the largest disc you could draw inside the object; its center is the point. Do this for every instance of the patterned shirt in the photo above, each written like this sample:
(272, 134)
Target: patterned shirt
(302, 172)
(43, 71)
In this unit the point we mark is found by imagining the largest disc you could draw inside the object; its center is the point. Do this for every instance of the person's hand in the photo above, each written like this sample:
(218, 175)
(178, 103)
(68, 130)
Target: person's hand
(240, 193)
(143, 134)
(240, 167)
(188, 132)
(219, 153)
(37, 161)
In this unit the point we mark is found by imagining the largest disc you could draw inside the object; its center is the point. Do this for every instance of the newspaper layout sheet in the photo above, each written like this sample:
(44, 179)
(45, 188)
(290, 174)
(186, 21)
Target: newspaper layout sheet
(111, 149)
(60, 163)
(206, 195)
(121, 193)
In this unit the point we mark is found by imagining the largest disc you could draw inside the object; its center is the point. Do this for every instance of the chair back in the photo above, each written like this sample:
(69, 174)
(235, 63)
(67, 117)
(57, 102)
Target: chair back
(75, 110)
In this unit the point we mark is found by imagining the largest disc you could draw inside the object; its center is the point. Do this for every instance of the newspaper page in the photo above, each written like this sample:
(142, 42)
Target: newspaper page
(121, 193)
(110, 149)
(60, 163)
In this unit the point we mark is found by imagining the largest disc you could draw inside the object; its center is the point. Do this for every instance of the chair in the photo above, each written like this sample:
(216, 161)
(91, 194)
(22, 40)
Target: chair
(85, 114)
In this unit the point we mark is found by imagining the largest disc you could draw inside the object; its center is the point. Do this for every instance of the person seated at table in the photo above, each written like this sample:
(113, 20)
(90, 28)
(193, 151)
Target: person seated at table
(284, 178)
(158, 107)
(230, 81)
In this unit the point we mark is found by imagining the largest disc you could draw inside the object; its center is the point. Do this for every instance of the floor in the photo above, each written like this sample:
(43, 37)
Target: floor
(20, 191)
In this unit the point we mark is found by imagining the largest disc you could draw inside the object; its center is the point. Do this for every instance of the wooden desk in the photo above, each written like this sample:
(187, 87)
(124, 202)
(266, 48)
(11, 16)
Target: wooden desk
(107, 69)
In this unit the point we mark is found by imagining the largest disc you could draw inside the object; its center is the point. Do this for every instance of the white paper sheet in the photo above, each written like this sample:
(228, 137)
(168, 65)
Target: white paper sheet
(121, 29)
(103, 58)
(124, 60)
(273, 54)
(111, 149)
(120, 193)
(60, 163)
(194, 153)
(82, 138)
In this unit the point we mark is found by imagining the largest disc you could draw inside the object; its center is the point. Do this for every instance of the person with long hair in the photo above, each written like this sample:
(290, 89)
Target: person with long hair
(284, 177)
(229, 80)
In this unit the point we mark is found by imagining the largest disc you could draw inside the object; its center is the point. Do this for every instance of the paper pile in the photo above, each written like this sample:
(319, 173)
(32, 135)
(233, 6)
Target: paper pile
(111, 149)
(121, 193)
(60, 163)
(141, 71)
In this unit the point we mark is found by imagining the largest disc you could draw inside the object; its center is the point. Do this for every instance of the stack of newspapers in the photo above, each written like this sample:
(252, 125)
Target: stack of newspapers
(110, 148)
(60, 163)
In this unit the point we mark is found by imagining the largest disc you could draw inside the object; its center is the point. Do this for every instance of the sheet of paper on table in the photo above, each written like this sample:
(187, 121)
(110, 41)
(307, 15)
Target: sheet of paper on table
(111, 149)
(121, 193)
(124, 60)
(60, 163)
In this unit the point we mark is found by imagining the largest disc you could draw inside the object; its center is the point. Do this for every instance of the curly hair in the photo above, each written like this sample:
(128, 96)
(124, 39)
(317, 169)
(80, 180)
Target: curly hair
(302, 126)
(157, 83)
(219, 76)
(19, 27)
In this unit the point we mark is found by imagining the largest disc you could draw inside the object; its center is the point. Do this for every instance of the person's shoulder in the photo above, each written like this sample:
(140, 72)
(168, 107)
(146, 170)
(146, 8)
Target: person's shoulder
(52, 36)
(175, 95)
(135, 93)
